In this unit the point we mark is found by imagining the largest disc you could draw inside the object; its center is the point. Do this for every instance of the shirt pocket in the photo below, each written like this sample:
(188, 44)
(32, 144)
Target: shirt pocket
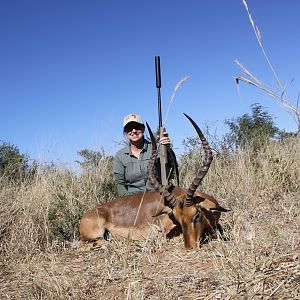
(133, 171)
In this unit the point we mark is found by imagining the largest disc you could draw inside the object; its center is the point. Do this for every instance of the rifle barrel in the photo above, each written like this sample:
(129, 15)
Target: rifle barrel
(157, 71)
(163, 149)
(158, 86)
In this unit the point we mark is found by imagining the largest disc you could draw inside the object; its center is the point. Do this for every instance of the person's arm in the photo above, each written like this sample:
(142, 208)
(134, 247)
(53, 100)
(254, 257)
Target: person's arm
(119, 175)
(120, 185)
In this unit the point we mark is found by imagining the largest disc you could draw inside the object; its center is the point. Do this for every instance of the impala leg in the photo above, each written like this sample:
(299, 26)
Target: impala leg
(92, 229)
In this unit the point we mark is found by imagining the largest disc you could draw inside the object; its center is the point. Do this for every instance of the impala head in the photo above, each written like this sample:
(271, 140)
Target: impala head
(185, 208)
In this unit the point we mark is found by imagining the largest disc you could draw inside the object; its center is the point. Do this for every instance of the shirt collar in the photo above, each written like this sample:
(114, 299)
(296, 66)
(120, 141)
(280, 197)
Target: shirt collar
(145, 148)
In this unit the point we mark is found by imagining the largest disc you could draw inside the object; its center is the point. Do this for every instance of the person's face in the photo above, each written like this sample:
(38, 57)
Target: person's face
(134, 131)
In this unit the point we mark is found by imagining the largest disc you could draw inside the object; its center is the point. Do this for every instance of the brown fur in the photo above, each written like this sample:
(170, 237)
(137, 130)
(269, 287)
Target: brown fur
(134, 216)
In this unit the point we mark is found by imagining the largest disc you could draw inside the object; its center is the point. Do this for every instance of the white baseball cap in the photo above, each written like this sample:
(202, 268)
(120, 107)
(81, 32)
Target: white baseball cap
(132, 118)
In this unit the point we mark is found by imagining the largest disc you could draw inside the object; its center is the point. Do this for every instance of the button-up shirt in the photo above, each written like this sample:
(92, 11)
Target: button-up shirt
(130, 172)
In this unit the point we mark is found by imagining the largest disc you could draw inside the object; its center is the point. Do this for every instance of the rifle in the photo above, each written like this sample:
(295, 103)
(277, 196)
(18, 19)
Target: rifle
(162, 148)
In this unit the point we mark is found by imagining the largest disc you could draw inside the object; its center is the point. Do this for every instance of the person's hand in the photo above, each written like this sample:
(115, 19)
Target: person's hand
(165, 140)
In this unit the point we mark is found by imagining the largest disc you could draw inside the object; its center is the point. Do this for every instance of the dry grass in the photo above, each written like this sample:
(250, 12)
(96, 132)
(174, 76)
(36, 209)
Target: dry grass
(280, 93)
(259, 258)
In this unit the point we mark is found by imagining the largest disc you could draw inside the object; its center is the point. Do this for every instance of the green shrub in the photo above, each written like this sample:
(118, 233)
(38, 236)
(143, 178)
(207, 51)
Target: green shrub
(13, 165)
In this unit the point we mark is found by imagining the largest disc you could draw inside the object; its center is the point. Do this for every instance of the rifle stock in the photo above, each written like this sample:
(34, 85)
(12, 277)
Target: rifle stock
(163, 159)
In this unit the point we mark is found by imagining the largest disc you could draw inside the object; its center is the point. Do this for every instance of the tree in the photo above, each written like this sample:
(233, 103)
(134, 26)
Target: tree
(251, 130)
(91, 159)
(13, 164)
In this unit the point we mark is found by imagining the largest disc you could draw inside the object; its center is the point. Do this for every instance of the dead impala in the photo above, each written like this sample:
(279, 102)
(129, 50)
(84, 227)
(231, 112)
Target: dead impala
(168, 208)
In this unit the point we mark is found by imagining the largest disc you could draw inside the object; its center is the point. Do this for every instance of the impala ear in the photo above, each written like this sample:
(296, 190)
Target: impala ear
(198, 205)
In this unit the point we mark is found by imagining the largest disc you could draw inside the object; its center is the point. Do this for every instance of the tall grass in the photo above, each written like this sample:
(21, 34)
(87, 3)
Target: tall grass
(38, 214)
(259, 257)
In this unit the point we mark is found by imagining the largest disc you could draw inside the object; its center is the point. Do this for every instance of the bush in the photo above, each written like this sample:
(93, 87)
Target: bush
(13, 164)
(251, 130)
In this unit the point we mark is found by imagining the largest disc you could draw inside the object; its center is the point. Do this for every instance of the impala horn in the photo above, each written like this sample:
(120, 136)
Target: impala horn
(169, 199)
(204, 168)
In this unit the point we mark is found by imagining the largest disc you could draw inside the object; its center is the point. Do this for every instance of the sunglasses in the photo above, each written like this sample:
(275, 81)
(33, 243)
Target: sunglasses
(131, 126)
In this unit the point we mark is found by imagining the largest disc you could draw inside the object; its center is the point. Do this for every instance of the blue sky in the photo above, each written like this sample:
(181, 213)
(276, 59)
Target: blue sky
(71, 70)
